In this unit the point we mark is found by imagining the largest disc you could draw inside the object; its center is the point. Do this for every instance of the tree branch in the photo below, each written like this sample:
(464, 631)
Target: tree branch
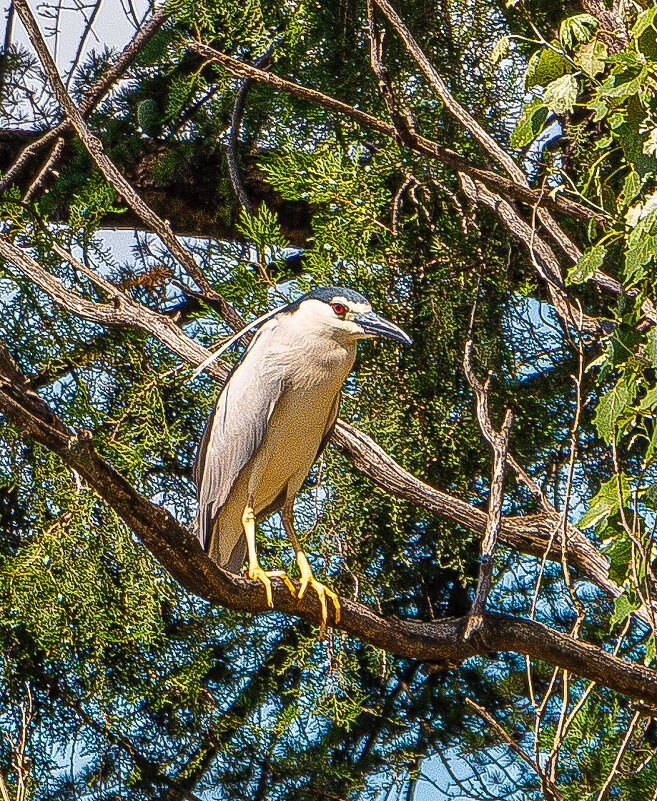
(499, 442)
(181, 554)
(94, 94)
(530, 534)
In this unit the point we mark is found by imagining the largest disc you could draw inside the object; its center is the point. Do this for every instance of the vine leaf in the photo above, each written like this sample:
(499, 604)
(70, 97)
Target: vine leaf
(611, 405)
(605, 502)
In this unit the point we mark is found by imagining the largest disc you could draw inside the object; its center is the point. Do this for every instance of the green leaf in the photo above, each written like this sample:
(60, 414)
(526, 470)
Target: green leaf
(651, 346)
(529, 124)
(619, 552)
(500, 50)
(645, 21)
(631, 187)
(600, 108)
(577, 29)
(641, 248)
(610, 407)
(590, 57)
(605, 502)
(560, 95)
(649, 403)
(650, 650)
(623, 606)
(585, 267)
(623, 85)
(546, 66)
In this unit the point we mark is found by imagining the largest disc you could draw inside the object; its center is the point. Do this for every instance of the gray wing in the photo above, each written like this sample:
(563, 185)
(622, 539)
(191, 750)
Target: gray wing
(232, 435)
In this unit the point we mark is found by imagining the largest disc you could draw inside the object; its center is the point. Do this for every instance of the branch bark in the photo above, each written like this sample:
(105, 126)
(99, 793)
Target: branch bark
(530, 534)
(95, 92)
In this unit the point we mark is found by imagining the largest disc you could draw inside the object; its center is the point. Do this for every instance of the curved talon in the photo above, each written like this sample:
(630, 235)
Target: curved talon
(256, 573)
(322, 590)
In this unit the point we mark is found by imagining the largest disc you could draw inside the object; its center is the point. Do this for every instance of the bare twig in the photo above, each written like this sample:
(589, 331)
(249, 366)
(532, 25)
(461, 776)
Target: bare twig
(468, 122)
(121, 310)
(262, 62)
(513, 746)
(542, 256)
(41, 178)
(604, 790)
(499, 441)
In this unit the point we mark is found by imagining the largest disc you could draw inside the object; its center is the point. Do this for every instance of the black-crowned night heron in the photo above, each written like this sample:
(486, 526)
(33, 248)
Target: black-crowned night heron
(271, 421)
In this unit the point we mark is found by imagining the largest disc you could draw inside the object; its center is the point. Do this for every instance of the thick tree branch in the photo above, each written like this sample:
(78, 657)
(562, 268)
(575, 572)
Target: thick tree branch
(121, 310)
(530, 534)
(181, 554)
(468, 122)
(541, 254)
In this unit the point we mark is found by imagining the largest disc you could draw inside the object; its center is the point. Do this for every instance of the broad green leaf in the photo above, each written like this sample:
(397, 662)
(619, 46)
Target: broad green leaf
(644, 21)
(619, 552)
(641, 247)
(500, 50)
(652, 445)
(610, 406)
(650, 145)
(577, 29)
(605, 502)
(529, 124)
(546, 66)
(631, 187)
(650, 650)
(590, 57)
(651, 346)
(650, 401)
(623, 606)
(585, 267)
(600, 108)
(560, 95)
(623, 85)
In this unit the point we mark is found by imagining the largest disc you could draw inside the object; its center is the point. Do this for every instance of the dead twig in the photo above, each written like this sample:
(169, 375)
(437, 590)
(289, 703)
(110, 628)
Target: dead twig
(499, 441)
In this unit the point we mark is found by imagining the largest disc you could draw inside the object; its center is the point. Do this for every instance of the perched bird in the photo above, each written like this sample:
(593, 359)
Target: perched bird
(271, 421)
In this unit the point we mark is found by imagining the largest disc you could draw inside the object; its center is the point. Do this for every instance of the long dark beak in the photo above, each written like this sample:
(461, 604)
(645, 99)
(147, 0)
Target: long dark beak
(376, 326)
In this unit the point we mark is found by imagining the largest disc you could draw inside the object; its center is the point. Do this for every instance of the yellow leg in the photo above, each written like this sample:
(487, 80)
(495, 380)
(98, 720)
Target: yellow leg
(255, 572)
(322, 590)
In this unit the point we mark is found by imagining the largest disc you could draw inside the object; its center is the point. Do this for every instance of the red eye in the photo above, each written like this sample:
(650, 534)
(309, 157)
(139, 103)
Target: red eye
(338, 308)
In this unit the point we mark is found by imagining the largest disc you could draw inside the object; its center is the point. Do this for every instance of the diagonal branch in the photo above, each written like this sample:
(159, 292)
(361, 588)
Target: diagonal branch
(468, 122)
(181, 554)
(530, 534)
(121, 310)
(420, 143)
(112, 174)
(499, 442)
(542, 256)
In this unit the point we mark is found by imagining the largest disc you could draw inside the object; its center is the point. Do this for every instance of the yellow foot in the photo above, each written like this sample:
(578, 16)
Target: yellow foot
(307, 579)
(258, 574)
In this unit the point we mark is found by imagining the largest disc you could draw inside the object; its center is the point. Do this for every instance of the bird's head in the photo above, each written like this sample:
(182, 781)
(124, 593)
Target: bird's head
(346, 313)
